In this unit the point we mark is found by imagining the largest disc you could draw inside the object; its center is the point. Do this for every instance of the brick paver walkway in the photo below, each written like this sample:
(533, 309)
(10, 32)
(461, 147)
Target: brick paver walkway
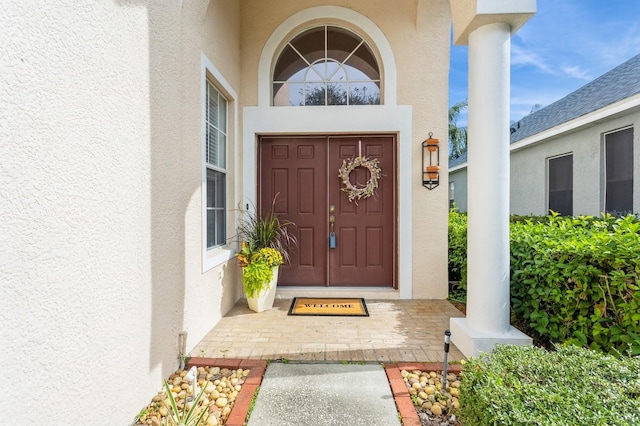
(395, 331)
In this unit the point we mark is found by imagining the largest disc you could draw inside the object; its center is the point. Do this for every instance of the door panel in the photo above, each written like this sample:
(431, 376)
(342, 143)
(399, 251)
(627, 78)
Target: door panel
(304, 171)
(365, 229)
(296, 170)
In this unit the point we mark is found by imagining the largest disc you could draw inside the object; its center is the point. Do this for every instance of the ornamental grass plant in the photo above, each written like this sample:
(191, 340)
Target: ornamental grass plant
(257, 231)
(266, 241)
(192, 414)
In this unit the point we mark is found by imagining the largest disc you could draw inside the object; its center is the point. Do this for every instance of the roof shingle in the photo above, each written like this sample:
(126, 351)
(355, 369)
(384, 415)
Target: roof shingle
(620, 83)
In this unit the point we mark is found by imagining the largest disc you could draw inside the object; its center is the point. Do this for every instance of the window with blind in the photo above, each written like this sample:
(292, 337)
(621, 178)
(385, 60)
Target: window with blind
(561, 185)
(618, 151)
(215, 163)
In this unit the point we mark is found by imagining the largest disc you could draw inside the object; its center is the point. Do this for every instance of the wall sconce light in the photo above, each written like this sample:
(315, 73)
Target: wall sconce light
(431, 162)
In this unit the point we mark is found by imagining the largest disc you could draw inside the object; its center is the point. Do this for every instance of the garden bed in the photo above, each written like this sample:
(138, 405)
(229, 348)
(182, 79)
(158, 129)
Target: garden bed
(415, 410)
(229, 388)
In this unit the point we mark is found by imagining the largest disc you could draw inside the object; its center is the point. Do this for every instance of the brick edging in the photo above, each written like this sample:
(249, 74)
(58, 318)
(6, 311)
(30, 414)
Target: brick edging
(400, 392)
(408, 414)
(240, 408)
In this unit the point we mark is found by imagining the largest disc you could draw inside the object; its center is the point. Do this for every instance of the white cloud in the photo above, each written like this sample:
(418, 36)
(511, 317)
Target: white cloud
(524, 98)
(564, 46)
(578, 39)
(612, 52)
(523, 57)
(576, 72)
(525, 101)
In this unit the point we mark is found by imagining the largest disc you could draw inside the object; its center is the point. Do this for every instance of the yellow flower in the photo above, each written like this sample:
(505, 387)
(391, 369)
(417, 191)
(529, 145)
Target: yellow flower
(270, 256)
(267, 256)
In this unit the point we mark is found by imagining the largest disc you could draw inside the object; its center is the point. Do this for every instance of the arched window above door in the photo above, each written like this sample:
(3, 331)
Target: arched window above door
(326, 65)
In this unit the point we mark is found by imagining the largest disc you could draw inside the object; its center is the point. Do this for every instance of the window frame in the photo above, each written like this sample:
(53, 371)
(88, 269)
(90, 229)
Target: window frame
(218, 254)
(324, 79)
(605, 177)
(549, 160)
(220, 127)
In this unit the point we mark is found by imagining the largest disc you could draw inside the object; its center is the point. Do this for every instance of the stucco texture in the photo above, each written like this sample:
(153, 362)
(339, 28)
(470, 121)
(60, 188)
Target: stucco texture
(529, 169)
(100, 174)
(101, 255)
(529, 186)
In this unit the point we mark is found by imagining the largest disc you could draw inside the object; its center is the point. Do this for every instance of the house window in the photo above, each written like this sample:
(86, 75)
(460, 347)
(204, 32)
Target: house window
(326, 65)
(561, 185)
(618, 161)
(215, 164)
(452, 199)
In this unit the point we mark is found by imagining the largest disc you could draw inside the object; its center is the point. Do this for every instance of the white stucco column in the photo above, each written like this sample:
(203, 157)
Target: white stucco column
(488, 179)
(488, 33)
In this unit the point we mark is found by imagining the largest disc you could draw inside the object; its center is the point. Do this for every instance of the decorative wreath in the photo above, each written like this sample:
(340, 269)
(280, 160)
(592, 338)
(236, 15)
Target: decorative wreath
(359, 192)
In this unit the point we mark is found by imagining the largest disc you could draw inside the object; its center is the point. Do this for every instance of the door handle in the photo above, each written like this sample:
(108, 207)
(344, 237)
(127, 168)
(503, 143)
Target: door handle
(332, 234)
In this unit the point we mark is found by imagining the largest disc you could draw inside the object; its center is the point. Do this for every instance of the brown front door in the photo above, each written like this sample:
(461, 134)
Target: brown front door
(303, 171)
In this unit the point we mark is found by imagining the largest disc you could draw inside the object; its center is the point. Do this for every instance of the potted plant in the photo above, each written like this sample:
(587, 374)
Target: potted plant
(265, 244)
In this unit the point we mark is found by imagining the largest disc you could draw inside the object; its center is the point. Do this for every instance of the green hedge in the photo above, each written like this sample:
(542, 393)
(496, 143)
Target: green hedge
(457, 246)
(573, 280)
(527, 385)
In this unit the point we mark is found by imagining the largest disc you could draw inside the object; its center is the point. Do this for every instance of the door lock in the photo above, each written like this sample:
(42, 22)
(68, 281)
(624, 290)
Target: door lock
(332, 234)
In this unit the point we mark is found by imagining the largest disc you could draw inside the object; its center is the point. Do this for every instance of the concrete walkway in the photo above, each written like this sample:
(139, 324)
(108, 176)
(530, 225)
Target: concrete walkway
(324, 394)
(313, 385)
(321, 394)
(395, 331)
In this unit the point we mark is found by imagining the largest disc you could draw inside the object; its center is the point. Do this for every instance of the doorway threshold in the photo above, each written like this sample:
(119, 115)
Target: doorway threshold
(380, 293)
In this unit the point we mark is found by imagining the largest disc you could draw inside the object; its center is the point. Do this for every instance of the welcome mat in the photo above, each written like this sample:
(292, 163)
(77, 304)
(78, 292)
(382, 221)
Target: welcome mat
(320, 306)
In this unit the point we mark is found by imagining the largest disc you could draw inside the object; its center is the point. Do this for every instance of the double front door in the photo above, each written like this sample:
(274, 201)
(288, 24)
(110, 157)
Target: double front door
(340, 242)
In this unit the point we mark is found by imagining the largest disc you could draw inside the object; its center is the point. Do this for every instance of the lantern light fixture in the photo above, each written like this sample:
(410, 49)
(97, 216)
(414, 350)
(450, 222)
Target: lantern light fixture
(431, 162)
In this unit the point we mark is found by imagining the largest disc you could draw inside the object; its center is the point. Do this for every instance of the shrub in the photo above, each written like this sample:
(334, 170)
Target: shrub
(458, 252)
(573, 280)
(527, 385)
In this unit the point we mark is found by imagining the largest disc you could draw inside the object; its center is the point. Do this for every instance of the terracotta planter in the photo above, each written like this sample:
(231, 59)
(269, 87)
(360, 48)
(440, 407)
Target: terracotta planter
(432, 172)
(264, 300)
(432, 144)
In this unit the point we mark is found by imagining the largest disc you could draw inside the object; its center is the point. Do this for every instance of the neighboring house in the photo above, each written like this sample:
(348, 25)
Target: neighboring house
(577, 156)
(134, 133)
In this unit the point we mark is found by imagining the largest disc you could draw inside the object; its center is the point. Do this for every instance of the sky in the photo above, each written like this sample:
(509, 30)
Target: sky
(565, 45)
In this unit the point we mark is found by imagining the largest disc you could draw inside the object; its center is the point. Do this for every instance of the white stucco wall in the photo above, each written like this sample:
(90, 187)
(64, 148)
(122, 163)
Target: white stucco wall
(211, 47)
(101, 260)
(101, 208)
(529, 168)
